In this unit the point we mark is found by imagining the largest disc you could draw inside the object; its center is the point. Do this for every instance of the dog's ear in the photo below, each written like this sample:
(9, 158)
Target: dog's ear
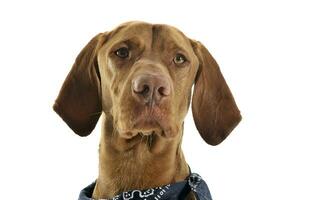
(214, 109)
(79, 100)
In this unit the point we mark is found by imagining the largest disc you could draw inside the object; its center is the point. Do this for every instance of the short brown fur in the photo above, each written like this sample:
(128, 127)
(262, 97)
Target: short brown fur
(99, 82)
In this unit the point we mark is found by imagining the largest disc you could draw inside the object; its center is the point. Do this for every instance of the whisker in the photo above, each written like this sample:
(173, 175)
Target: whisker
(142, 136)
(150, 140)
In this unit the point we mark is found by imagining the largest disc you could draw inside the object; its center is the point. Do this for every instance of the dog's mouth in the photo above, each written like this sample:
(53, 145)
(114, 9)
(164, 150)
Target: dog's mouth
(147, 121)
(143, 128)
(153, 121)
(143, 132)
(147, 126)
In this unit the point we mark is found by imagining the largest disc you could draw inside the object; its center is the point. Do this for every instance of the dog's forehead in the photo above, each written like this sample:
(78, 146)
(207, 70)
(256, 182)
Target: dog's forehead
(150, 33)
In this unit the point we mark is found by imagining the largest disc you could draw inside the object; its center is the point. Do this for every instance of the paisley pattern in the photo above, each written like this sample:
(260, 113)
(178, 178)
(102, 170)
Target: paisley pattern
(174, 191)
(153, 193)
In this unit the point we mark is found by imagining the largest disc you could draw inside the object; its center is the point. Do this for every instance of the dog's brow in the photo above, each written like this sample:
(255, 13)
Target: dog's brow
(129, 40)
(172, 46)
(175, 47)
(170, 41)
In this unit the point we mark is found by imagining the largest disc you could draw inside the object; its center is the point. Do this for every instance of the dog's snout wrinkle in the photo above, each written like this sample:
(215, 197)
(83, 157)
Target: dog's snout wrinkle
(150, 88)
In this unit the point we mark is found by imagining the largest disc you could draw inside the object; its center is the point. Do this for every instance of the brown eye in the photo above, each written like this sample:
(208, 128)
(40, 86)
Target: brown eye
(122, 52)
(179, 59)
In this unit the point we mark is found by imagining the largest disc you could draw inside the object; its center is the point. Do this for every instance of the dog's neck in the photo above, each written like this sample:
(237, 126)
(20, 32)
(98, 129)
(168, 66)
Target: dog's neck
(138, 163)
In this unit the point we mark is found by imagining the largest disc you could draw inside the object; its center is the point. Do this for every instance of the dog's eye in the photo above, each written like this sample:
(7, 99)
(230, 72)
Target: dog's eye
(122, 52)
(179, 59)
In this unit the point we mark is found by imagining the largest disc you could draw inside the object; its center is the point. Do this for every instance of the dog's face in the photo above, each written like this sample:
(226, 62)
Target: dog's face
(149, 71)
(141, 75)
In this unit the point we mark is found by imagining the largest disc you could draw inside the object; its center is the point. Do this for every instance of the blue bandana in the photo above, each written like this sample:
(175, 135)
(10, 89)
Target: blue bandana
(175, 191)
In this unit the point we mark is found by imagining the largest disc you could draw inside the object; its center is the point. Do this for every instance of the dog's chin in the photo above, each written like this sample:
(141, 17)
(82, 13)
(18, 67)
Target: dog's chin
(142, 129)
(147, 121)
(147, 128)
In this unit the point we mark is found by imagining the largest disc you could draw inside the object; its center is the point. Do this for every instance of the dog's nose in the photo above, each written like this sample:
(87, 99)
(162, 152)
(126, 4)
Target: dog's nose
(148, 88)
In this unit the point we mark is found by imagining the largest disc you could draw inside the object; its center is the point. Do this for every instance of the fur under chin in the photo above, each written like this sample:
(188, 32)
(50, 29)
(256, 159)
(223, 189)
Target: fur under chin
(138, 163)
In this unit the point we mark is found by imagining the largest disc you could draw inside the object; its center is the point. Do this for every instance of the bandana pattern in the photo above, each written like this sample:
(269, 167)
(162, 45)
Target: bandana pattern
(174, 191)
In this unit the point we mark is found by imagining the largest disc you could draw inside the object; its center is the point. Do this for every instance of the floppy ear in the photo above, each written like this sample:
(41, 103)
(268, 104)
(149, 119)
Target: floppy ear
(214, 109)
(79, 100)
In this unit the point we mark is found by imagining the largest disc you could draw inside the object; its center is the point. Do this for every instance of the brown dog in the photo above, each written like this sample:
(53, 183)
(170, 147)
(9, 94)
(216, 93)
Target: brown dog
(140, 75)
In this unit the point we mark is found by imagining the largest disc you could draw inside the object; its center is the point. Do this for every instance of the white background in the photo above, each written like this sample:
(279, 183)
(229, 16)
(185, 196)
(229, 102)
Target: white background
(261, 46)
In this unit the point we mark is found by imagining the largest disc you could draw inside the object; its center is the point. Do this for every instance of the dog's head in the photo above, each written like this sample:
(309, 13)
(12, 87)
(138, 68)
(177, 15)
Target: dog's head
(141, 75)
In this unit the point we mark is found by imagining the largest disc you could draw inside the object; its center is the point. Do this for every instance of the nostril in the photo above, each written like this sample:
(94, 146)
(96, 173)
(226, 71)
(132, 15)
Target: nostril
(140, 88)
(163, 91)
(145, 90)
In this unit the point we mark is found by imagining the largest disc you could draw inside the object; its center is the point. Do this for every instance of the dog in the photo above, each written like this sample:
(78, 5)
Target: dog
(139, 77)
